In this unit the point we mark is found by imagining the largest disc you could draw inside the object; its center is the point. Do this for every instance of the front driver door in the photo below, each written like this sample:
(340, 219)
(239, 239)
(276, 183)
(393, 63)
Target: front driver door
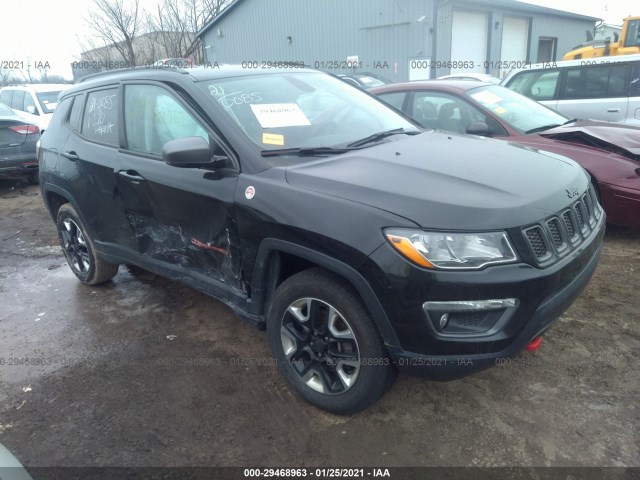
(182, 217)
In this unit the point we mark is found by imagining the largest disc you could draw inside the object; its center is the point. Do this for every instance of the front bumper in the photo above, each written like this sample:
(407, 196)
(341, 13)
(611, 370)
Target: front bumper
(621, 204)
(543, 294)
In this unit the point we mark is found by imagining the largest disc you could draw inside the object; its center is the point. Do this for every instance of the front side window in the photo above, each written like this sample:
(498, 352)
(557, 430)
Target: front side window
(28, 102)
(153, 117)
(100, 121)
(539, 85)
(633, 34)
(395, 99)
(301, 110)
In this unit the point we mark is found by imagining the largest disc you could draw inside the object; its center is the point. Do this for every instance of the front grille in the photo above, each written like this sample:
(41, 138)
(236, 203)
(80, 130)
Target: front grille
(554, 229)
(563, 232)
(536, 241)
(568, 222)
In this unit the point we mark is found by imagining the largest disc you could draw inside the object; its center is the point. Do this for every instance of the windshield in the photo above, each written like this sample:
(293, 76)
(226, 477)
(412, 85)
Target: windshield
(519, 112)
(302, 110)
(48, 100)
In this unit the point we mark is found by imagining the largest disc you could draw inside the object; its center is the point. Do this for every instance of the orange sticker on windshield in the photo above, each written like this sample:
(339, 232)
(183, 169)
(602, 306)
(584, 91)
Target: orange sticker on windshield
(272, 139)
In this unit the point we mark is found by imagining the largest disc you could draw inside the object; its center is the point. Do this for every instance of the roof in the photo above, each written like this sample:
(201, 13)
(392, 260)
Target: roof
(195, 74)
(450, 85)
(492, 4)
(582, 62)
(41, 87)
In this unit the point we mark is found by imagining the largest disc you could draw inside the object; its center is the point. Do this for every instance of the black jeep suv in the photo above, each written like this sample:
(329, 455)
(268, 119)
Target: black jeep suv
(362, 243)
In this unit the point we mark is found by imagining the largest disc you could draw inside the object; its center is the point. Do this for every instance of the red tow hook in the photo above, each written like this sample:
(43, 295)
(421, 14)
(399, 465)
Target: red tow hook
(534, 344)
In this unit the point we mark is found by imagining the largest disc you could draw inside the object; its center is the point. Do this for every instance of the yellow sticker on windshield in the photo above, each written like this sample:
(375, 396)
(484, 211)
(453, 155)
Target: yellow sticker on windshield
(272, 139)
(500, 110)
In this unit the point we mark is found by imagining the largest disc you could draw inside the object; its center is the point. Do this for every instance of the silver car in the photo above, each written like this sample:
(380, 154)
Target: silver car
(606, 88)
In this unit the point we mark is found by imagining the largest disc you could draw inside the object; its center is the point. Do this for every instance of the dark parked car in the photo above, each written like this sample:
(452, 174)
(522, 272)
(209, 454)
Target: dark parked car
(609, 152)
(313, 210)
(364, 80)
(18, 139)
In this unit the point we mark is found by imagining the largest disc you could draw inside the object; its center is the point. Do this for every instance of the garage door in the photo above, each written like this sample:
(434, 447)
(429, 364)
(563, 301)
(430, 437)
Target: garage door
(469, 40)
(515, 38)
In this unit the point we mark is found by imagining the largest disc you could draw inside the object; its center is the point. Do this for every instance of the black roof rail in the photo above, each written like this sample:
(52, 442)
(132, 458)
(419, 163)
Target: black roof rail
(132, 69)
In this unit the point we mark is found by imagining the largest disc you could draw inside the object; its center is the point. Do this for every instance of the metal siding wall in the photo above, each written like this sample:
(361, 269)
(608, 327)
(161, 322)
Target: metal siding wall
(331, 30)
(568, 32)
(327, 30)
(443, 33)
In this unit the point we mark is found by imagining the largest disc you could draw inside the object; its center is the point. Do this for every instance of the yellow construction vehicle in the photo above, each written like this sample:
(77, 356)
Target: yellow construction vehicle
(627, 44)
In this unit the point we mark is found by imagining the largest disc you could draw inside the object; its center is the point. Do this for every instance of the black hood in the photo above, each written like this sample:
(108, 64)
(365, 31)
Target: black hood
(448, 181)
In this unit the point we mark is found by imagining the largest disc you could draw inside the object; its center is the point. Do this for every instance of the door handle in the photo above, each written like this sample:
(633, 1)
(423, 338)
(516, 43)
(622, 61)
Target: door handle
(71, 155)
(613, 110)
(131, 175)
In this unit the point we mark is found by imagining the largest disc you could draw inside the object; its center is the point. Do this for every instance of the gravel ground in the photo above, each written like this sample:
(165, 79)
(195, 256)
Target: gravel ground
(105, 376)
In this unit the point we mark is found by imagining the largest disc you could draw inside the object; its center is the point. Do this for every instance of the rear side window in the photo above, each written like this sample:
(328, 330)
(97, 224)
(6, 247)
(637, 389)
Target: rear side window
(100, 121)
(17, 102)
(607, 81)
(538, 85)
(5, 97)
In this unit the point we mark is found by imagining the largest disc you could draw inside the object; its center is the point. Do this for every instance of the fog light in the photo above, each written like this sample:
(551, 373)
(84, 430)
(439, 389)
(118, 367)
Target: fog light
(469, 318)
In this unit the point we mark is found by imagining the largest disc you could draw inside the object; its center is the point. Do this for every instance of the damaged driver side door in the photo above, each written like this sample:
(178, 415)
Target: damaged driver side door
(182, 217)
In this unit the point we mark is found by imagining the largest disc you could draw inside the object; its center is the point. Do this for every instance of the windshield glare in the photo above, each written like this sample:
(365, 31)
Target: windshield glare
(301, 110)
(517, 111)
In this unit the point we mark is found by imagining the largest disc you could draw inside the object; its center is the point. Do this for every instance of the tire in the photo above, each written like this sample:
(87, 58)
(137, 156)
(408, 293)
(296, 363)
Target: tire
(79, 250)
(325, 343)
(33, 179)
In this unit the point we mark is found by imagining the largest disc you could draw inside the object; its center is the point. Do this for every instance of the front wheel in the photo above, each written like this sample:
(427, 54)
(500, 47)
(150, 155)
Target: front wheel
(325, 343)
(79, 251)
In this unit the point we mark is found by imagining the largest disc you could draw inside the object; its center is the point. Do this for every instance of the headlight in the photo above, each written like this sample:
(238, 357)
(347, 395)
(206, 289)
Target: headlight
(452, 250)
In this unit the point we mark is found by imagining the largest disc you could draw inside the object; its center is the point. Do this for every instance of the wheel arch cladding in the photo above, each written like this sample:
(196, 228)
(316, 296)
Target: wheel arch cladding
(267, 276)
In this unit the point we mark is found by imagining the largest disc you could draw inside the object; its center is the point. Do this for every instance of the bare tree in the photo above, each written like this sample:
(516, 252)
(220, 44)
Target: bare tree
(176, 23)
(117, 26)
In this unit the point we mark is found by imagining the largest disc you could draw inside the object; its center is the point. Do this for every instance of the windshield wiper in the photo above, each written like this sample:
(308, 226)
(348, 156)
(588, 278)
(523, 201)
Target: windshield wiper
(304, 151)
(376, 137)
(571, 120)
(542, 129)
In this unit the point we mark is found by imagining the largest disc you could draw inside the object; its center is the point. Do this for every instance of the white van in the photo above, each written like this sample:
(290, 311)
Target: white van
(605, 88)
(34, 102)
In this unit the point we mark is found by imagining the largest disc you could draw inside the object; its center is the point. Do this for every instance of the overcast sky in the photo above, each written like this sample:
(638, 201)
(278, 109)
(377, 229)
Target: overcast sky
(48, 30)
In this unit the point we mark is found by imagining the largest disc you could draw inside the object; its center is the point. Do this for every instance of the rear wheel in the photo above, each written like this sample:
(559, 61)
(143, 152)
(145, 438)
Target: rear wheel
(326, 344)
(79, 251)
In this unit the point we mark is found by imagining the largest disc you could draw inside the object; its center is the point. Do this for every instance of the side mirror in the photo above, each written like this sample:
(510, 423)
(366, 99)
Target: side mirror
(32, 110)
(478, 128)
(191, 152)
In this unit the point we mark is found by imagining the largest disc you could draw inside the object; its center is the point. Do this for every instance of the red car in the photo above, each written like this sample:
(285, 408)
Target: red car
(610, 152)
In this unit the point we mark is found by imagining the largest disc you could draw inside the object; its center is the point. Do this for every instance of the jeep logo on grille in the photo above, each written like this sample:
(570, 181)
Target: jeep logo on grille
(572, 192)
